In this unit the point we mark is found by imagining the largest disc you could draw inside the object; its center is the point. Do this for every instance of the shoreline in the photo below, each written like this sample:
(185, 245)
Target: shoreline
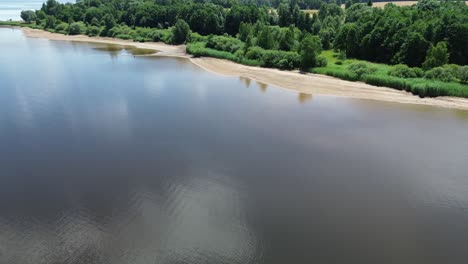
(309, 83)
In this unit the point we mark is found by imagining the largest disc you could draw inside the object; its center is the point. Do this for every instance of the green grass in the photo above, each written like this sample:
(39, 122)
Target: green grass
(418, 86)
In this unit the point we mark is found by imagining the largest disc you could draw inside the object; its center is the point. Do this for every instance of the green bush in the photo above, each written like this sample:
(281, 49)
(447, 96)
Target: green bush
(121, 30)
(93, 31)
(195, 37)
(140, 39)
(164, 35)
(453, 69)
(223, 43)
(76, 28)
(440, 73)
(404, 71)
(61, 28)
(463, 74)
(123, 36)
(274, 58)
(338, 62)
(321, 61)
(341, 55)
(361, 69)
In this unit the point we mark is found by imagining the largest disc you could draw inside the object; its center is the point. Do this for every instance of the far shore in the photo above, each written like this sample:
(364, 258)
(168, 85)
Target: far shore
(302, 82)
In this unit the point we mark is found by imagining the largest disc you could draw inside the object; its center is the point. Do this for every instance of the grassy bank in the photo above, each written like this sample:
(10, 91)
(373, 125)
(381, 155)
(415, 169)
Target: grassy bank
(380, 75)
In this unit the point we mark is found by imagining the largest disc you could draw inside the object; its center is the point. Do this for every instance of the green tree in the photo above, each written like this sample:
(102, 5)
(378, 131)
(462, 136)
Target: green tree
(436, 56)
(463, 74)
(50, 22)
(284, 15)
(413, 51)
(28, 16)
(287, 40)
(76, 28)
(180, 32)
(265, 38)
(309, 49)
(245, 30)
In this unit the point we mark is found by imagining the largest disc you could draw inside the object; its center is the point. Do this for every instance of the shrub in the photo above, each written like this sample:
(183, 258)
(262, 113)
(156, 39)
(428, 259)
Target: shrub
(254, 53)
(361, 69)
(223, 43)
(338, 62)
(418, 72)
(123, 36)
(195, 37)
(341, 55)
(274, 58)
(143, 33)
(93, 31)
(321, 61)
(164, 35)
(140, 39)
(61, 28)
(50, 22)
(463, 74)
(440, 73)
(437, 55)
(404, 71)
(76, 28)
(280, 59)
(199, 49)
(121, 30)
(453, 69)
(285, 64)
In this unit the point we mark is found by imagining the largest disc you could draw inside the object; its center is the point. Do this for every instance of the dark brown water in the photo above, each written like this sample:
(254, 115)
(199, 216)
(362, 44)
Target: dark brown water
(110, 158)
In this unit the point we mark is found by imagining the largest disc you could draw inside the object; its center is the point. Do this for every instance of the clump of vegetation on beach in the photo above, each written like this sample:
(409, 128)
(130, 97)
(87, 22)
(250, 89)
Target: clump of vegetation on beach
(419, 48)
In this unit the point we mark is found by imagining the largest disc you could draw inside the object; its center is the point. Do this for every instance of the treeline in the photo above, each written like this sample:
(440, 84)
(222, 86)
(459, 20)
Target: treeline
(426, 37)
(393, 35)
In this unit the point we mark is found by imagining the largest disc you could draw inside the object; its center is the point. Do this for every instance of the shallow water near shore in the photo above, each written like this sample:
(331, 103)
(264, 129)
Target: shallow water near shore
(107, 157)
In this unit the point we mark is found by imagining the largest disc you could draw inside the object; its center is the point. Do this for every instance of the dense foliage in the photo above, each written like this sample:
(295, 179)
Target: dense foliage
(421, 40)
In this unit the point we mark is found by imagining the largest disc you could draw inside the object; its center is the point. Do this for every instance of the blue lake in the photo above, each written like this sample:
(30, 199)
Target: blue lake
(106, 157)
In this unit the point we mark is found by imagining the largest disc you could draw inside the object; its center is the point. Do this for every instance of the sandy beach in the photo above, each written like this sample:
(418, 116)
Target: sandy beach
(304, 83)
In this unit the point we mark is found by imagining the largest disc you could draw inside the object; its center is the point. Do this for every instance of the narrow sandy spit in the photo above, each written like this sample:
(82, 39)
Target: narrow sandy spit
(304, 83)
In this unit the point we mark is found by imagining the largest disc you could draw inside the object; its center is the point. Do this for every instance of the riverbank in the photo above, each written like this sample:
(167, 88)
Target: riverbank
(305, 83)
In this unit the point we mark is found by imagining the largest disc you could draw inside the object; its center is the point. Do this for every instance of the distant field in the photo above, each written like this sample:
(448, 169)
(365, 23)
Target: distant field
(376, 4)
(310, 11)
(398, 3)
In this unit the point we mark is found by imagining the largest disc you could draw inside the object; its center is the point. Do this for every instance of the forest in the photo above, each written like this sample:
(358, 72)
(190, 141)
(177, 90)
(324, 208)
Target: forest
(421, 48)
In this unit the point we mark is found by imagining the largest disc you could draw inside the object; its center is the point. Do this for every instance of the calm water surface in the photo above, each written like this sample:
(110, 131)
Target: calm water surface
(110, 158)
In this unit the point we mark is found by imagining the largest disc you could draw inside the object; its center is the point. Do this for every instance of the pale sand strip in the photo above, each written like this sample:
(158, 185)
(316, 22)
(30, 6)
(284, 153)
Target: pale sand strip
(304, 83)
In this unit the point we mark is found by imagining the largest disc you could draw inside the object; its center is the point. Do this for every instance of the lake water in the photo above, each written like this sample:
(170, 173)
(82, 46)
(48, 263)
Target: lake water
(110, 158)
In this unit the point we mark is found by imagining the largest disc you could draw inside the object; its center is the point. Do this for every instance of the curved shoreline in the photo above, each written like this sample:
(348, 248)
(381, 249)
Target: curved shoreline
(308, 83)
